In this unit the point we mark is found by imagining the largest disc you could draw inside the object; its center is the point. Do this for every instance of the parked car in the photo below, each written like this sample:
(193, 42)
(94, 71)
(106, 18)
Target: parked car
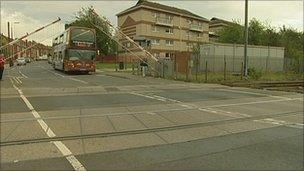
(21, 61)
(27, 59)
(43, 57)
(50, 60)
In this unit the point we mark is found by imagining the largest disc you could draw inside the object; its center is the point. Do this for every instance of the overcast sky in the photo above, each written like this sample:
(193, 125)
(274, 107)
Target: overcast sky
(33, 14)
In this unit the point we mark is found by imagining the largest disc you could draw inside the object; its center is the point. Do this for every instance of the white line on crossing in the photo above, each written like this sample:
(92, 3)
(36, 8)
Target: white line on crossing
(74, 79)
(61, 147)
(255, 102)
(281, 122)
(150, 97)
(23, 75)
(255, 93)
(63, 76)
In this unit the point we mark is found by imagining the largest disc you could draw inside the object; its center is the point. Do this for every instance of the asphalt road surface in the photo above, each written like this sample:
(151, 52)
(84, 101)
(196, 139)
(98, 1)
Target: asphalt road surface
(113, 120)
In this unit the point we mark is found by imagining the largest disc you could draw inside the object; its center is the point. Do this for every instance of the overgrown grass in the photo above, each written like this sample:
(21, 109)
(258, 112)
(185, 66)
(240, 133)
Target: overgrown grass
(218, 77)
(112, 66)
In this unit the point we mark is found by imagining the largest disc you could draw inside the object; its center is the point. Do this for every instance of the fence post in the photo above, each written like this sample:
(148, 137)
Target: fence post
(225, 74)
(196, 67)
(163, 66)
(187, 70)
(133, 67)
(242, 70)
(267, 59)
(206, 72)
(176, 70)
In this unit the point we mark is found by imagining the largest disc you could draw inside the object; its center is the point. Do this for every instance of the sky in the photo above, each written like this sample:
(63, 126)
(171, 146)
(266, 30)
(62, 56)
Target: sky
(34, 14)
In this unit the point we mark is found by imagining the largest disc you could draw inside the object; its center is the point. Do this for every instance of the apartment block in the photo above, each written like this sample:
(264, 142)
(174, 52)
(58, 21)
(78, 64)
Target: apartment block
(215, 26)
(162, 30)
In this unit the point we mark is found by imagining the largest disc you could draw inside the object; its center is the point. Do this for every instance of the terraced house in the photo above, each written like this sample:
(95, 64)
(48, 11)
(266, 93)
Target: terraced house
(167, 29)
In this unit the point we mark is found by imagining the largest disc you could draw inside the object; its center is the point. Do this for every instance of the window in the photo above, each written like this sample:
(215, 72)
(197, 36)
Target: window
(189, 45)
(169, 30)
(188, 34)
(169, 42)
(56, 41)
(169, 55)
(61, 39)
(157, 55)
(155, 14)
(155, 28)
(128, 44)
(198, 34)
(155, 41)
(169, 17)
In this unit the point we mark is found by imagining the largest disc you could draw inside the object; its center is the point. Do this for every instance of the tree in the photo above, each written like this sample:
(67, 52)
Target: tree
(233, 33)
(255, 32)
(85, 18)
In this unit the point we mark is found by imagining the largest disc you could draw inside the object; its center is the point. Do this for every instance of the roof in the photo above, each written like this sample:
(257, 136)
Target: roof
(215, 20)
(142, 3)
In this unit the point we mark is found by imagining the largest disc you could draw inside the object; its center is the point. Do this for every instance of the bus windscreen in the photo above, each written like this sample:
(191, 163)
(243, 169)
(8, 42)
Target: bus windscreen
(82, 35)
(81, 54)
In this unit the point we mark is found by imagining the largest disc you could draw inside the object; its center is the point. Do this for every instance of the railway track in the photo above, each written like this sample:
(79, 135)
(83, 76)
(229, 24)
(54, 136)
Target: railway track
(147, 130)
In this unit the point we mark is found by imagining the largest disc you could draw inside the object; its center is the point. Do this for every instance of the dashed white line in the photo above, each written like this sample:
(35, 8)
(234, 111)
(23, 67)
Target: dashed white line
(61, 147)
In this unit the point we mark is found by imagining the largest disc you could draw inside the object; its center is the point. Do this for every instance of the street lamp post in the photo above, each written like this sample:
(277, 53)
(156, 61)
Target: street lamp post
(12, 33)
(246, 40)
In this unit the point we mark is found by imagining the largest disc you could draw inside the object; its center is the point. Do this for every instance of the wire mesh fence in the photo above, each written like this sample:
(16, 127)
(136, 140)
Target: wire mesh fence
(225, 68)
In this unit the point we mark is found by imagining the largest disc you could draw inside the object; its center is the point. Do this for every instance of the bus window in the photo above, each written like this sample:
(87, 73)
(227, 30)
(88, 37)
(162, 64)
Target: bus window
(56, 41)
(61, 39)
(82, 35)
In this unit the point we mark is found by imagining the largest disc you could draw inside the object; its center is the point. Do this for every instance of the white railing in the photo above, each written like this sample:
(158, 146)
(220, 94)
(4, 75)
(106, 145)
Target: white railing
(163, 21)
(196, 27)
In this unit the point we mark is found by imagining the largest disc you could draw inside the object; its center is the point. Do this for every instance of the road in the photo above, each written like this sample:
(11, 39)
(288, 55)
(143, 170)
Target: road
(112, 120)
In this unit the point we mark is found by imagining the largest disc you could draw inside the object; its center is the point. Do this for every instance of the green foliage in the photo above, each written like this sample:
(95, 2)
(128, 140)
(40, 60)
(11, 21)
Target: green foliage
(254, 73)
(85, 18)
(263, 34)
(234, 33)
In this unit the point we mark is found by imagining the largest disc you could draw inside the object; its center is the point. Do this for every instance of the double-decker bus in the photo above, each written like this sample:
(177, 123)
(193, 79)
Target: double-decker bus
(75, 50)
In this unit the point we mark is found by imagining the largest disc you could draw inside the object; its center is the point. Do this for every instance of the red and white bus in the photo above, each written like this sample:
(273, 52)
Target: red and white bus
(75, 50)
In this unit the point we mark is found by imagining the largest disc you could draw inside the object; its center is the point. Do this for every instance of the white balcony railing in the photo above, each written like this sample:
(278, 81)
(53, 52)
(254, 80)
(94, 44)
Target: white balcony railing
(196, 27)
(163, 21)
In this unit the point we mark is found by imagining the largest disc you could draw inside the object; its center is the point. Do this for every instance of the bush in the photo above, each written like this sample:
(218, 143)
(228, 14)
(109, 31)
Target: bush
(254, 73)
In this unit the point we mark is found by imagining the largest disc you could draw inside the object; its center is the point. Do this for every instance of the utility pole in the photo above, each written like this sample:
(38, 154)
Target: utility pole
(246, 39)
(8, 30)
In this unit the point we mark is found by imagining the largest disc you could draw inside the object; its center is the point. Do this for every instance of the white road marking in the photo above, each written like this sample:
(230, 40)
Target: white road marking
(281, 122)
(151, 113)
(18, 81)
(61, 147)
(63, 76)
(23, 75)
(187, 106)
(11, 80)
(226, 113)
(255, 93)
(74, 79)
(150, 97)
(17, 78)
(255, 102)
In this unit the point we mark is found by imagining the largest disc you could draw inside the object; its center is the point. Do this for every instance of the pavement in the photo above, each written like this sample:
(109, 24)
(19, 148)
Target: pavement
(119, 121)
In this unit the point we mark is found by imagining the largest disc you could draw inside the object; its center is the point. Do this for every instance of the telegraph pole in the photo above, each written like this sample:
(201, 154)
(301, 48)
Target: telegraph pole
(8, 30)
(246, 40)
